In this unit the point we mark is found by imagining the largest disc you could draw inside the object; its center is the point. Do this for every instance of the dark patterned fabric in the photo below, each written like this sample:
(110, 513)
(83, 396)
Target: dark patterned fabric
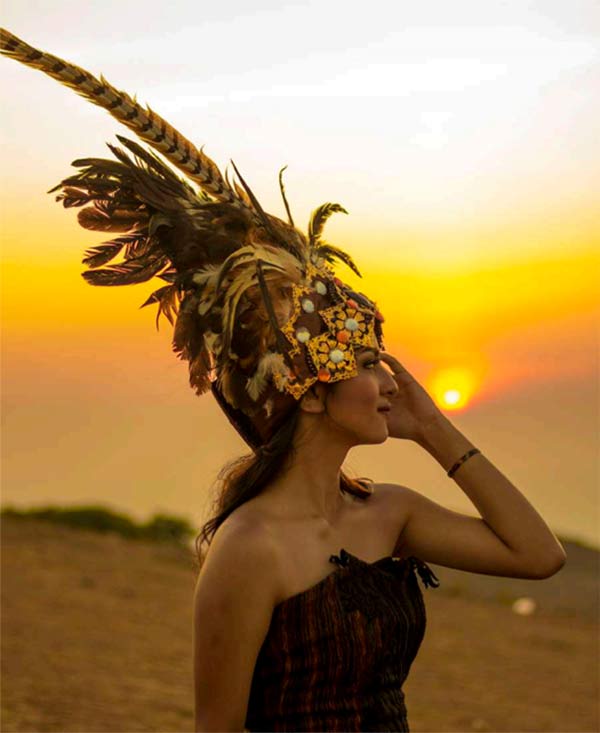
(337, 654)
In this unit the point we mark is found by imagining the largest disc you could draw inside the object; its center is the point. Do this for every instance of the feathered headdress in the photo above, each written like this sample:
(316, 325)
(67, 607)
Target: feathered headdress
(256, 307)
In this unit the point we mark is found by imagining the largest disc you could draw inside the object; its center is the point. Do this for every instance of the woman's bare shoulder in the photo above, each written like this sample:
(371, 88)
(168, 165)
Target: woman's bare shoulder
(240, 546)
(245, 532)
(244, 527)
(392, 507)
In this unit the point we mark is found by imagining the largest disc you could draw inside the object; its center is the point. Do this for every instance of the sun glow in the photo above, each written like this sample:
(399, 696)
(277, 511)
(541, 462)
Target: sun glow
(453, 388)
(452, 397)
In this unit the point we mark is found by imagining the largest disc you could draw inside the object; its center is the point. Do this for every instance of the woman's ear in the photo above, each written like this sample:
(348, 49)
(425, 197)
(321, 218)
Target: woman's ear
(313, 400)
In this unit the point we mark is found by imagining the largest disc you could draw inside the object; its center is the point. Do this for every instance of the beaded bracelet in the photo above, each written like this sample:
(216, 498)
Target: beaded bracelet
(460, 461)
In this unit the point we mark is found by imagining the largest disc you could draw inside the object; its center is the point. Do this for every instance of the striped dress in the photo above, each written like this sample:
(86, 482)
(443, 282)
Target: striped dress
(337, 654)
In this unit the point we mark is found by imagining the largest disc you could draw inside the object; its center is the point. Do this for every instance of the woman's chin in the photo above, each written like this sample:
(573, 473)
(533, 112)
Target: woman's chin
(375, 436)
(378, 437)
(385, 437)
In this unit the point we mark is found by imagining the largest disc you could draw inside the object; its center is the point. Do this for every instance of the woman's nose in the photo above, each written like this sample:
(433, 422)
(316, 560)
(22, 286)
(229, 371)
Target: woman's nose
(389, 386)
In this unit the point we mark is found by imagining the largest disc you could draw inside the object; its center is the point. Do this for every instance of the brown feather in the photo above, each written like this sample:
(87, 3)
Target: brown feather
(136, 270)
(149, 126)
(98, 219)
(318, 219)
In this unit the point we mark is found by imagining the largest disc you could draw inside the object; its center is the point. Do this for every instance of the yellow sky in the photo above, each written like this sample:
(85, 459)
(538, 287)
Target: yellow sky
(460, 137)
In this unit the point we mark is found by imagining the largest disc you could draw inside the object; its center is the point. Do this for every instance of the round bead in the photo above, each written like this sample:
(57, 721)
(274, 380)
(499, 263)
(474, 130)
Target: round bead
(352, 303)
(338, 282)
(324, 375)
(379, 317)
(351, 324)
(308, 306)
(320, 287)
(343, 337)
(302, 334)
(336, 355)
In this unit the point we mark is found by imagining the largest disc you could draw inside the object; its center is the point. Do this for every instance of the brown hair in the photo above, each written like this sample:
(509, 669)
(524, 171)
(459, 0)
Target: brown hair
(243, 478)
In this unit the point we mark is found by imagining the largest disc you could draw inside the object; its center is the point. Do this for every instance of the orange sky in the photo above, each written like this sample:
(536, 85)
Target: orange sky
(472, 218)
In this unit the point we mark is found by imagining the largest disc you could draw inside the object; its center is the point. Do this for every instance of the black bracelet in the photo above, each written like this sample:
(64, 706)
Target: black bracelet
(458, 463)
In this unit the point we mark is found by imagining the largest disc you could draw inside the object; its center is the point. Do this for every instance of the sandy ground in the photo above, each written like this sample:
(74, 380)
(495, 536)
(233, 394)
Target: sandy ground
(97, 633)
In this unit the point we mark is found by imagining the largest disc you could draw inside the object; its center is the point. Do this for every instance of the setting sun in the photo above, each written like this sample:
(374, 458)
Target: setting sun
(454, 388)
(452, 397)
(461, 143)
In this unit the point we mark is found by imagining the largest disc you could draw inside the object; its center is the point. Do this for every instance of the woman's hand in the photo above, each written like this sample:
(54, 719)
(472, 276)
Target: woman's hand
(412, 407)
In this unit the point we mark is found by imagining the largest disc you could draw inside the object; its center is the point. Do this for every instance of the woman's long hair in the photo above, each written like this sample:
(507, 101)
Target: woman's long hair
(244, 478)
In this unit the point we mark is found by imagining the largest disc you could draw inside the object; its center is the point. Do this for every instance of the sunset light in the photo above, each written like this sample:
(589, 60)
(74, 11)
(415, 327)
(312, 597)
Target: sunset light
(461, 142)
(452, 397)
(208, 211)
(454, 388)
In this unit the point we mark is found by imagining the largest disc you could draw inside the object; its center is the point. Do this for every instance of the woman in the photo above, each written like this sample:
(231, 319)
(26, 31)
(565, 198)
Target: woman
(285, 642)
(307, 610)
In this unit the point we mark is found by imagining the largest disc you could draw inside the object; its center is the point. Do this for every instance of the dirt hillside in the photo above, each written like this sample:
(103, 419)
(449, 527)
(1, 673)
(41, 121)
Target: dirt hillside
(97, 634)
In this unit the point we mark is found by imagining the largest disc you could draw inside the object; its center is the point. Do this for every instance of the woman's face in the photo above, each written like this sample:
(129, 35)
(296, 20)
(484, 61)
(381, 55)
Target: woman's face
(353, 405)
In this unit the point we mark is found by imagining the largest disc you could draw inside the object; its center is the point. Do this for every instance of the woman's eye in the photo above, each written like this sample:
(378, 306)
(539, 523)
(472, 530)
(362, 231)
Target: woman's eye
(372, 361)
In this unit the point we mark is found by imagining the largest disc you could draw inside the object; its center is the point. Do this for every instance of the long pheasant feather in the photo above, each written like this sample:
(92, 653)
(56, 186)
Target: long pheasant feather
(148, 125)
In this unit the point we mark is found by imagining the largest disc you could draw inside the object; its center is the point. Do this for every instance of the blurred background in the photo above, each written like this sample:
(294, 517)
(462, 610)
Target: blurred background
(461, 138)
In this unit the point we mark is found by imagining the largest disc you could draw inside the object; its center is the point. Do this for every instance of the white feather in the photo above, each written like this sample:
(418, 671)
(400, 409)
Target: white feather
(270, 363)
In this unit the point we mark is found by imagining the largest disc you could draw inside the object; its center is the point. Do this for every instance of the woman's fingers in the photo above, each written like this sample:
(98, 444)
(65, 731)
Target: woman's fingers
(401, 374)
(389, 359)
